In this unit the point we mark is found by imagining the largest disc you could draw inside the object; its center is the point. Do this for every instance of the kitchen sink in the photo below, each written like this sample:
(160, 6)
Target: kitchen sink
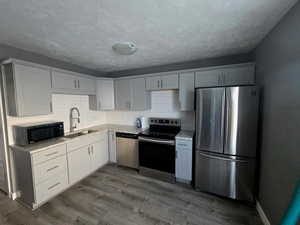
(78, 134)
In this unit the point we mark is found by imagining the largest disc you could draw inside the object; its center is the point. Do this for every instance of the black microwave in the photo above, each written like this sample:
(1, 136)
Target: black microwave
(25, 134)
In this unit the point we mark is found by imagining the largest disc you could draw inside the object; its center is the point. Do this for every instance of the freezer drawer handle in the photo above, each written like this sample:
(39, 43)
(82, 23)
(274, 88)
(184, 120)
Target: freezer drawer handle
(221, 158)
(158, 141)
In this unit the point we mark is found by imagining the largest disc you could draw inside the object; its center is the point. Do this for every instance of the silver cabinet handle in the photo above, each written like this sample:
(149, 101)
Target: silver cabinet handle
(161, 83)
(75, 83)
(52, 168)
(78, 84)
(52, 153)
(54, 185)
(51, 107)
(89, 150)
(92, 147)
(157, 83)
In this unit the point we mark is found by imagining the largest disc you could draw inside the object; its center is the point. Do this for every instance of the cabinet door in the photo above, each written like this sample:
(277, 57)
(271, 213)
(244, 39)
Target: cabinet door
(105, 95)
(33, 86)
(99, 154)
(123, 94)
(79, 164)
(169, 81)
(63, 82)
(86, 86)
(140, 98)
(112, 146)
(208, 78)
(186, 91)
(243, 75)
(183, 164)
(153, 83)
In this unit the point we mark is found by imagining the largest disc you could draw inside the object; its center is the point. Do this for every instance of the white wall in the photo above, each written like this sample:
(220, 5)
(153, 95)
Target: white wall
(61, 109)
(163, 104)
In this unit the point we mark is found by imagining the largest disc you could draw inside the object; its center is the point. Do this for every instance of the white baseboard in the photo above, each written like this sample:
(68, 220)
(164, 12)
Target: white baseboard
(262, 214)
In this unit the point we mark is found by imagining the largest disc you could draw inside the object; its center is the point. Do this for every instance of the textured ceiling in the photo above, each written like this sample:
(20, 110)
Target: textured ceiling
(165, 31)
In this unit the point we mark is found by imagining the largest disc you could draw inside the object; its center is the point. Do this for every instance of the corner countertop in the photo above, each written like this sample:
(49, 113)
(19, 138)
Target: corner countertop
(32, 148)
(185, 134)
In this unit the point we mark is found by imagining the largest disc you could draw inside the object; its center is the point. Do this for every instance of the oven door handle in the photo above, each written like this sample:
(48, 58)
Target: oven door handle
(157, 141)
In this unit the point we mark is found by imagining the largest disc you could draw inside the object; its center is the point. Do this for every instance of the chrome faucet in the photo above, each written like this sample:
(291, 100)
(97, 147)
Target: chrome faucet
(72, 124)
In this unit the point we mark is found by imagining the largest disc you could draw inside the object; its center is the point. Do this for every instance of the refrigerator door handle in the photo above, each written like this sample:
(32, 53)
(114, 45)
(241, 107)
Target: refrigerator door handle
(222, 158)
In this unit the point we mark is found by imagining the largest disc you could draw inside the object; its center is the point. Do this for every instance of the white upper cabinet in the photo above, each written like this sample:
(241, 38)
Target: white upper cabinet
(66, 83)
(164, 82)
(186, 91)
(140, 98)
(242, 74)
(105, 95)
(208, 78)
(169, 81)
(28, 90)
(123, 94)
(131, 94)
(86, 86)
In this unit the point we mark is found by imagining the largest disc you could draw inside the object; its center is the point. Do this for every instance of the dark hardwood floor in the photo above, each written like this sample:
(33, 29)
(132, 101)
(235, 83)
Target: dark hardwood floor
(118, 196)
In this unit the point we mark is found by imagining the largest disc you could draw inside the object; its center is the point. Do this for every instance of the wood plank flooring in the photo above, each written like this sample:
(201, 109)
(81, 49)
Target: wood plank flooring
(118, 196)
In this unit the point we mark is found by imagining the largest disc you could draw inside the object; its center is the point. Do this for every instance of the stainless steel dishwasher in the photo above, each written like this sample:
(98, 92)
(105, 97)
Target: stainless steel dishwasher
(127, 150)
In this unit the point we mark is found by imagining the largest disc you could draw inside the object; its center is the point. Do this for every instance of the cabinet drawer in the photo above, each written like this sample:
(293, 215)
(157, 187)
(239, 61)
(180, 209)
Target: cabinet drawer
(184, 145)
(48, 154)
(51, 187)
(46, 170)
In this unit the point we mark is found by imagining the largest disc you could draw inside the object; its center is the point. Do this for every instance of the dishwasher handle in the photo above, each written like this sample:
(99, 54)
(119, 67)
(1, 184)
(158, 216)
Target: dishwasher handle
(126, 135)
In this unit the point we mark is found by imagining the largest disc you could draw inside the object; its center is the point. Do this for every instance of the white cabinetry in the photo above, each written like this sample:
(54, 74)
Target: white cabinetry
(242, 74)
(105, 96)
(112, 145)
(86, 154)
(186, 91)
(79, 164)
(164, 82)
(131, 94)
(184, 159)
(123, 94)
(41, 175)
(28, 90)
(67, 83)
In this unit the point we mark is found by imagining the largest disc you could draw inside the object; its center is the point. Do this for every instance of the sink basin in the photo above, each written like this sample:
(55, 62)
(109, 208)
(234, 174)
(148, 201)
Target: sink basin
(80, 133)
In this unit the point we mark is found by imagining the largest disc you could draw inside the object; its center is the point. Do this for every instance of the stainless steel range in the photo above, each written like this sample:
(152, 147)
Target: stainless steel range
(157, 149)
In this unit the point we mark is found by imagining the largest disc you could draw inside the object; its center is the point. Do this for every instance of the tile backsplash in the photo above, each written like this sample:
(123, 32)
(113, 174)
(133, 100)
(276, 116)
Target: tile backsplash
(163, 104)
(61, 111)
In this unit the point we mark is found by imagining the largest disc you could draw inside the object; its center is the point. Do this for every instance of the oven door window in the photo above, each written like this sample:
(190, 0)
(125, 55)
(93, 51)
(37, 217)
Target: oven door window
(157, 156)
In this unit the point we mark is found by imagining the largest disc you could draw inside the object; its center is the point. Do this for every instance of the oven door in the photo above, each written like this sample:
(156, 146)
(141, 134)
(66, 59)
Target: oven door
(157, 154)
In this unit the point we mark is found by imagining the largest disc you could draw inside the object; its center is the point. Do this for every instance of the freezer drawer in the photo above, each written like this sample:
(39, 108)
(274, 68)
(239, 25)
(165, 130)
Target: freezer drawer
(231, 177)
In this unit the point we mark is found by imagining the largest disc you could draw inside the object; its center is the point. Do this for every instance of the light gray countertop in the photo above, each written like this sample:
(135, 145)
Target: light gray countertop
(63, 140)
(185, 134)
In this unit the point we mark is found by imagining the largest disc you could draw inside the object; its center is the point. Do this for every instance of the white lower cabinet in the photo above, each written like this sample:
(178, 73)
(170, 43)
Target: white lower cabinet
(99, 153)
(112, 146)
(79, 164)
(184, 160)
(45, 173)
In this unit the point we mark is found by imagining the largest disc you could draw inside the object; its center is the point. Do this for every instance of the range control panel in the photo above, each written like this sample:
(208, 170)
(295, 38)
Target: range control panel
(164, 121)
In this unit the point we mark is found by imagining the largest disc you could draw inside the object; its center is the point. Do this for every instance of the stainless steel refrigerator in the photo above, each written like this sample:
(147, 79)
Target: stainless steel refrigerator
(226, 133)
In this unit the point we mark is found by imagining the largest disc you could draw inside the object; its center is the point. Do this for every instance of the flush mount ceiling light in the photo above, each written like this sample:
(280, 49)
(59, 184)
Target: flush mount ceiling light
(124, 48)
